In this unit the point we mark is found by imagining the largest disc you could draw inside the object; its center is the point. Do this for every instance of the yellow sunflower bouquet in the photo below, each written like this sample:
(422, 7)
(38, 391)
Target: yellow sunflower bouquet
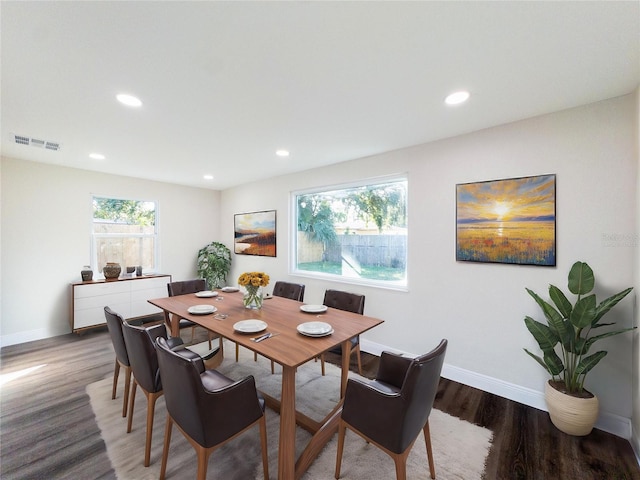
(253, 283)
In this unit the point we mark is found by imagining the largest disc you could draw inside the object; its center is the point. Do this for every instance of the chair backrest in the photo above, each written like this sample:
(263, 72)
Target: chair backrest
(419, 390)
(186, 286)
(181, 382)
(350, 302)
(114, 324)
(293, 291)
(208, 406)
(140, 343)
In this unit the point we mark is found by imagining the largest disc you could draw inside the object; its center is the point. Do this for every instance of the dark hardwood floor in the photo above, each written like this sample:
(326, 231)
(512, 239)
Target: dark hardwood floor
(47, 428)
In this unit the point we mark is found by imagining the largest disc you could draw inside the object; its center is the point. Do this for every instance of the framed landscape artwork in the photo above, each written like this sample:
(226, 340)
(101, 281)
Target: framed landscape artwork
(507, 221)
(255, 233)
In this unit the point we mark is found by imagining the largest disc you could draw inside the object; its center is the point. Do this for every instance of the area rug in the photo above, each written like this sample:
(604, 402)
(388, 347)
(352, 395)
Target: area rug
(460, 448)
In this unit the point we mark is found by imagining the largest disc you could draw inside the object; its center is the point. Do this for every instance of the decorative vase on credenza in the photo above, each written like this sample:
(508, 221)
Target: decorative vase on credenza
(86, 273)
(111, 270)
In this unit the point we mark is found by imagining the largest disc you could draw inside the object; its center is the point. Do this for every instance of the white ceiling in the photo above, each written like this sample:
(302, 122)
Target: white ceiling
(225, 84)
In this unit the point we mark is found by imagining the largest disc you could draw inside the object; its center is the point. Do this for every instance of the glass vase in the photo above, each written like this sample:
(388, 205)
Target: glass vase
(253, 297)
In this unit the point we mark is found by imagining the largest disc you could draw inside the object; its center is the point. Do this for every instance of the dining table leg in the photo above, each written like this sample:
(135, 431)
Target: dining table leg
(346, 362)
(175, 324)
(330, 424)
(287, 447)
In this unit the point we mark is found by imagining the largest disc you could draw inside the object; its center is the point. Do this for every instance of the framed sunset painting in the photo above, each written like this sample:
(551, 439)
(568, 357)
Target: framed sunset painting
(507, 221)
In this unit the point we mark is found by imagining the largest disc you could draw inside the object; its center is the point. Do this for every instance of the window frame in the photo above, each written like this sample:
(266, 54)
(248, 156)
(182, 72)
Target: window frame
(95, 236)
(293, 257)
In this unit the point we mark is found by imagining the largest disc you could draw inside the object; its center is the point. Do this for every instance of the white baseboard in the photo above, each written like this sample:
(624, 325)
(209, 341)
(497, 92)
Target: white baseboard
(635, 444)
(31, 335)
(607, 422)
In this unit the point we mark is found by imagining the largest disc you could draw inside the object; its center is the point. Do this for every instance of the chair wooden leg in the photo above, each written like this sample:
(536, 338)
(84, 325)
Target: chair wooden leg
(127, 388)
(165, 448)
(427, 441)
(237, 351)
(151, 407)
(401, 466)
(116, 372)
(399, 459)
(322, 364)
(255, 359)
(263, 442)
(341, 432)
(359, 359)
(132, 401)
(203, 453)
(203, 461)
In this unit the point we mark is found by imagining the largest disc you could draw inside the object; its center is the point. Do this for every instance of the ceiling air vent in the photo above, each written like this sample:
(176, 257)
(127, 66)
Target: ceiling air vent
(22, 140)
(36, 142)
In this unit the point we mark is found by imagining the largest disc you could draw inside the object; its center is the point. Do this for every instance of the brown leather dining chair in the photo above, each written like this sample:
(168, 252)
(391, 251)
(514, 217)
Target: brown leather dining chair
(292, 291)
(141, 349)
(144, 364)
(114, 324)
(390, 411)
(350, 302)
(208, 408)
(190, 286)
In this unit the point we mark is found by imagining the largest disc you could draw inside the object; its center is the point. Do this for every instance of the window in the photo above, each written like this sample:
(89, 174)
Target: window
(124, 231)
(356, 234)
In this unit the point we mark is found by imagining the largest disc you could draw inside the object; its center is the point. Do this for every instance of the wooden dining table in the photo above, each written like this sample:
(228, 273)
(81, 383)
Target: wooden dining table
(288, 348)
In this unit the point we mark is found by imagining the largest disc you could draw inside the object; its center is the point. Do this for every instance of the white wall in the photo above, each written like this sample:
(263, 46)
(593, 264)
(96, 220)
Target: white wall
(46, 221)
(635, 440)
(480, 307)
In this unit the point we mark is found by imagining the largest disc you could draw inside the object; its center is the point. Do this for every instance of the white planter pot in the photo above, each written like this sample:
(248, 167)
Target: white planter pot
(571, 415)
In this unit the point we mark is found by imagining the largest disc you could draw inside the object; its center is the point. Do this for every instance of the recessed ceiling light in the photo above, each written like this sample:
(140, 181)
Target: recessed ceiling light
(129, 100)
(457, 98)
(282, 153)
(97, 156)
(208, 177)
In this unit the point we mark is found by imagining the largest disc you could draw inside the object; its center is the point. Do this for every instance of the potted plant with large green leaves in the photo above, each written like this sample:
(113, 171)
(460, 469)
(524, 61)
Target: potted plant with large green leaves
(565, 341)
(214, 263)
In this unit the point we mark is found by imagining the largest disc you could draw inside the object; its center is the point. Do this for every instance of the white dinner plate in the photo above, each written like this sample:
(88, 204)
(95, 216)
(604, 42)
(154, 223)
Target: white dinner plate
(250, 326)
(313, 308)
(315, 329)
(318, 335)
(230, 289)
(206, 294)
(201, 309)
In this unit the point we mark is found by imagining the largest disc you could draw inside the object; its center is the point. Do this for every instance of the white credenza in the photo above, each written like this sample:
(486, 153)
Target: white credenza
(126, 296)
